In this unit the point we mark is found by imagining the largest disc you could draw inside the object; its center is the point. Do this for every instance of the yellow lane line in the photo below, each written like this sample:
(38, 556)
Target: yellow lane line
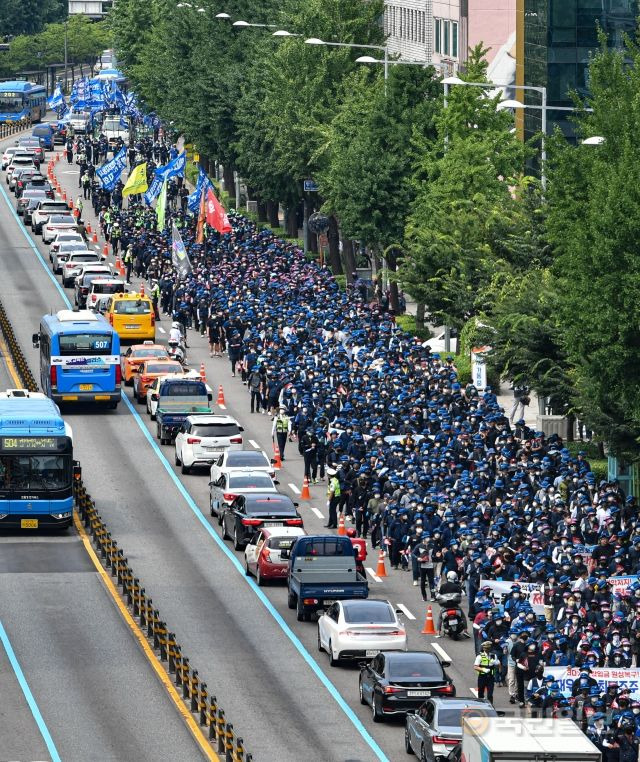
(137, 633)
(8, 361)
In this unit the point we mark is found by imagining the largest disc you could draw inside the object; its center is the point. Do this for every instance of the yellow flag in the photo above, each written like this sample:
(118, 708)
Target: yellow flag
(137, 182)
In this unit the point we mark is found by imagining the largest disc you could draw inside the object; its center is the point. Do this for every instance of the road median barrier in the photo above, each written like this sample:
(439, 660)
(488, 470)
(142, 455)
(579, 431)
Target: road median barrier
(202, 705)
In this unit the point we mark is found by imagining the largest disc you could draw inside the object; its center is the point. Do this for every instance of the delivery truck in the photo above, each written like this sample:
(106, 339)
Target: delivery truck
(515, 739)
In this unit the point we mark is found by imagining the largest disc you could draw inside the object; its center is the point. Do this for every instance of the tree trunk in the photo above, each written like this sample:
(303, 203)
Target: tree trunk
(394, 301)
(262, 211)
(291, 221)
(420, 310)
(228, 180)
(349, 259)
(333, 235)
(571, 425)
(273, 213)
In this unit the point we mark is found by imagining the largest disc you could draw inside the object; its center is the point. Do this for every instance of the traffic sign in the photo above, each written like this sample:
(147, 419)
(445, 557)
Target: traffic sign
(310, 186)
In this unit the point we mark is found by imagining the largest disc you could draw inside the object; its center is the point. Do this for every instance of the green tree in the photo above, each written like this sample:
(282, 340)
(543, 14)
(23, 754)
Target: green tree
(594, 225)
(29, 16)
(465, 206)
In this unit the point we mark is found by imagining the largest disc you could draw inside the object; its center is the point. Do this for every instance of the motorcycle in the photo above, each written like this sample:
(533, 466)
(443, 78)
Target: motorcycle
(176, 352)
(452, 616)
(177, 343)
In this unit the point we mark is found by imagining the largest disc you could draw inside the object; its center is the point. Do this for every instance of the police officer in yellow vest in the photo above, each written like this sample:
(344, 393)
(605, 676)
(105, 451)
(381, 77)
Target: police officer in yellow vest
(281, 429)
(484, 666)
(333, 497)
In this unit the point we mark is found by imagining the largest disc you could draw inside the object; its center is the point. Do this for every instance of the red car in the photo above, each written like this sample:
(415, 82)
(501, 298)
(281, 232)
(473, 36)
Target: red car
(267, 554)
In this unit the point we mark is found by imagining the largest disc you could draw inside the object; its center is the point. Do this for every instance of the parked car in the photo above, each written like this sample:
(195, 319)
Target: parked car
(397, 683)
(233, 483)
(202, 438)
(267, 553)
(55, 224)
(256, 460)
(436, 727)
(248, 513)
(26, 196)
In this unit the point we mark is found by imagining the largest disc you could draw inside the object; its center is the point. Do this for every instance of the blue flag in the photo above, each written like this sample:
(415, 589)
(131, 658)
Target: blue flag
(154, 189)
(193, 202)
(173, 169)
(110, 172)
(57, 99)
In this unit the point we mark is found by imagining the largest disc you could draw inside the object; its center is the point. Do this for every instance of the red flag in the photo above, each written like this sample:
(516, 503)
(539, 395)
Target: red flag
(216, 215)
(201, 217)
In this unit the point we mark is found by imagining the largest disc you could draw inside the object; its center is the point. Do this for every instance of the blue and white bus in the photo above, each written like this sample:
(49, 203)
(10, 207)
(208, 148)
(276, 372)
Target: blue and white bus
(79, 358)
(36, 462)
(20, 99)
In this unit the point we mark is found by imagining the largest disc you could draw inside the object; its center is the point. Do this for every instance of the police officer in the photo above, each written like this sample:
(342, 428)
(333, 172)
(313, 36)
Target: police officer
(281, 429)
(484, 665)
(128, 262)
(333, 495)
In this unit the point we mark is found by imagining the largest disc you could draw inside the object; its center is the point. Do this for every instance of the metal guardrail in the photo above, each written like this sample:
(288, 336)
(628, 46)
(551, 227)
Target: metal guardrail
(9, 127)
(202, 704)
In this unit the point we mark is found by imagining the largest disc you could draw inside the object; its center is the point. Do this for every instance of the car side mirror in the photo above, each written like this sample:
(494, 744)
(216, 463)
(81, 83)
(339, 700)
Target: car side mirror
(36, 340)
(210, 397)
(212, 484)
(275, 481)
(241, 428)
(284, 554)
(297, 505)
(273, 462)
(445, 663)
(363, 664)
(102, 257)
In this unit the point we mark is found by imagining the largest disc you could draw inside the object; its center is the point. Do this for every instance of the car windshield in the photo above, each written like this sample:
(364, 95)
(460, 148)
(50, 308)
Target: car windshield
(216, 429)
(267, 505)
(416, 665)
(132, 307)
(72, 246)
(114, 288)
(164, 367)
(368, 611)
(244, 459)
(250, 481)
(451, 717)
(89, 257)
(184, 388)
(29, 194)
(280, 543)
(61, 219)
(87, 280)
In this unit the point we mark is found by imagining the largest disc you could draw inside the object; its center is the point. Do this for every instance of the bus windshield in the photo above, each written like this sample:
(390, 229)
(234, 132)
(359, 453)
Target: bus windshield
(10, 104)
(35, 472)
(85, 343)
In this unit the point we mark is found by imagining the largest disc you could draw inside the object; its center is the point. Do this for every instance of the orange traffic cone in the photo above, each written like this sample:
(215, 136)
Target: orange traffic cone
(76, 213)
(87, 227)
(381, 571)
(305, 494)
(276, 457)
(342, 530)
(142, 289)
(220, 400)
(203, 374)
(118, 262)
(428, 628)
(64, 195)
(71, 203)
(95, 237)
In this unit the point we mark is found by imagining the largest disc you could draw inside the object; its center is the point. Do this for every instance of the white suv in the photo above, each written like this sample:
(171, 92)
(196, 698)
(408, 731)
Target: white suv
(202, 438)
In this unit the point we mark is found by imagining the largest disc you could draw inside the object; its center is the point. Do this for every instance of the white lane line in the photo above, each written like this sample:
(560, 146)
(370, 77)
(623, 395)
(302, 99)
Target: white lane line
(318, 513)
(474, 691)
(441, 652)
(405, 611)
(294, 489)
(161, 329)
(371, 574)
(254, 444)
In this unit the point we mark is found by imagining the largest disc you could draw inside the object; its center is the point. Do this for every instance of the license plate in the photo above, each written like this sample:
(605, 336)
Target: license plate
(419, 694)
(328, 602)
(28, 523)
(86, 387)
(453, 621)
(272, 524)
(131, 327)
(371, 653)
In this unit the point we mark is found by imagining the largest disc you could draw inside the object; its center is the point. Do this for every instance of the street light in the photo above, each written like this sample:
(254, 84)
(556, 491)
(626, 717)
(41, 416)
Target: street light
(246, 23)
(223, 16)
(596, 140)
(284, 33)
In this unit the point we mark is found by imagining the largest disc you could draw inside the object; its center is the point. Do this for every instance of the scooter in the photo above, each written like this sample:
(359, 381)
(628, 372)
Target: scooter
(452, 615)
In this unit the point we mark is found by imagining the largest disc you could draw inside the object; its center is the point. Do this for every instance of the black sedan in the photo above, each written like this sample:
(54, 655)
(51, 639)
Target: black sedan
(399, 682)
(249, 513)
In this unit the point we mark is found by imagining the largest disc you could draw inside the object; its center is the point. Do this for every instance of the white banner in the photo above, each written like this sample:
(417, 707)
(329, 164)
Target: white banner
(626, 678)
(89, 361)
(530, 590)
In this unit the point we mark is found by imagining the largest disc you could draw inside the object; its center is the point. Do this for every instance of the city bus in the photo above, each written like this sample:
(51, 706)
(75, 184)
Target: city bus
(36, 462)
(19, 100)
(79, 358)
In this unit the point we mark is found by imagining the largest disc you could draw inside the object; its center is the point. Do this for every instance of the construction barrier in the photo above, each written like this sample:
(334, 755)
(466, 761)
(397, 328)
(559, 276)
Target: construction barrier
(195, 693)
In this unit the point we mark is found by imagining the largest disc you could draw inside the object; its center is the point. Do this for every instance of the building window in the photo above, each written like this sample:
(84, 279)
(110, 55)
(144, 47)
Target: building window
(454, 39)
(438, 36)
(446, 31)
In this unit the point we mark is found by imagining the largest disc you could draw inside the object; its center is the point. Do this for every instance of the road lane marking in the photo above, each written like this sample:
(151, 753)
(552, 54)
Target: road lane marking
(317, 512)
(373, 575)
(254, 444)
(8, 361)
(202, 519)
(30, 699)
(293, 488)
(137, 633)
(405, 611)
(161, 329)
(441, 652)
(474, 691)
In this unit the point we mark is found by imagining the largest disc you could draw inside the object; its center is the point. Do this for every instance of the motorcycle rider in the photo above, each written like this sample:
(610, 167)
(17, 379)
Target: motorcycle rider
(450, 589)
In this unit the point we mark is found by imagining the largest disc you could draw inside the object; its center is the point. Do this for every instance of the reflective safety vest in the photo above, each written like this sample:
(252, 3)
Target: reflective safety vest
(334, 487)
(485, 662)
(282, 424)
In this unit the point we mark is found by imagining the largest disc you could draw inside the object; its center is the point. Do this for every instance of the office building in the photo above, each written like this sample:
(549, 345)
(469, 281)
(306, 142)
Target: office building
(94, 9)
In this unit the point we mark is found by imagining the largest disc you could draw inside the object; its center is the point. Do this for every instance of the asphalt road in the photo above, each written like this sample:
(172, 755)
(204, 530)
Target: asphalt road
(262, 663)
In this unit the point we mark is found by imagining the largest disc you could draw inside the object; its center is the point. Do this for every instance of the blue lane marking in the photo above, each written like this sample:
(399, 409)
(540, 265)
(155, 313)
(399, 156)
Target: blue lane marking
(258, 592)
(219, 542)
(35, 711)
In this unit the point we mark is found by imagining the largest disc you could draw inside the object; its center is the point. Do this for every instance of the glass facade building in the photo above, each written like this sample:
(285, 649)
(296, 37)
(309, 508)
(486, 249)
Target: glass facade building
(558, 37)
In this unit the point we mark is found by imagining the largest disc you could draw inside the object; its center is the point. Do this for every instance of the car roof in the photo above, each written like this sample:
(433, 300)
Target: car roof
(141, 346)
(283, 531)
(212, 418)
(235, 453)
(356, 602)
(271, 496)
(442, 703)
